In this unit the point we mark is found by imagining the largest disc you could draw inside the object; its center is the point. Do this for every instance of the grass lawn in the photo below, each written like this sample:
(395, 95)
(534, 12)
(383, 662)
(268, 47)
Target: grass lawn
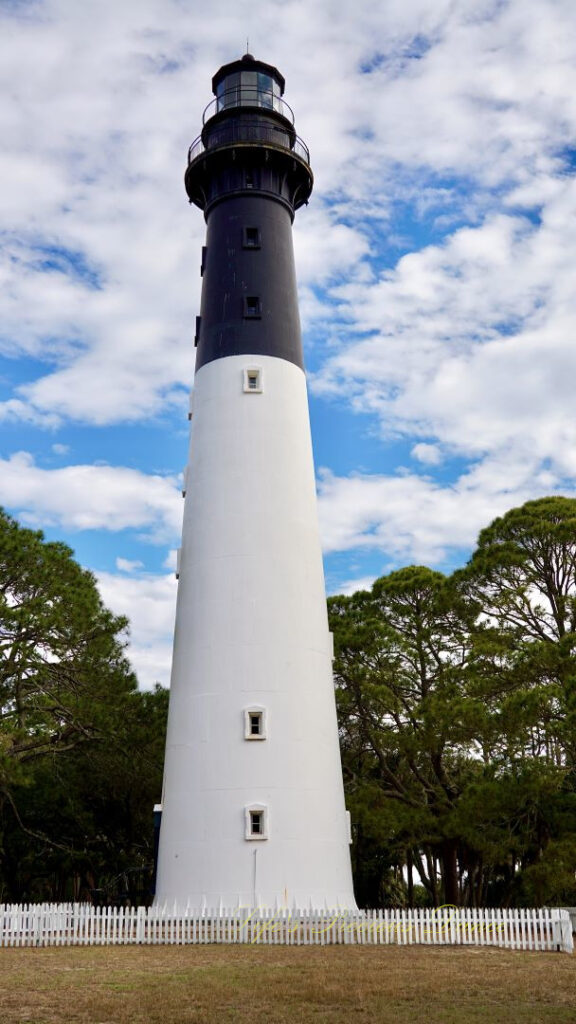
(342, 985)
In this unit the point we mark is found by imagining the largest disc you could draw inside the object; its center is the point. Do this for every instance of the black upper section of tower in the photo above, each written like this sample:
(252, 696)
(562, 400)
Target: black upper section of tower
(248, 172)
(248, 142)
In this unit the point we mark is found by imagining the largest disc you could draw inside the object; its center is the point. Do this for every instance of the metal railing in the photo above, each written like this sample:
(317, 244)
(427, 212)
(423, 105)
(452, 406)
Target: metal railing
(250, 131)
(248, 96)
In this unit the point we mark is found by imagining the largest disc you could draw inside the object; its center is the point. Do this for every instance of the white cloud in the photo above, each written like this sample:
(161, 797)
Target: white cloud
(88, 497)
(414, 519)
(471, 342)
(429, 454)
(149, 602)
(127, 565)
(353, 585)
(448, 122)
(99, 276)
(171, 559)
(325, 248)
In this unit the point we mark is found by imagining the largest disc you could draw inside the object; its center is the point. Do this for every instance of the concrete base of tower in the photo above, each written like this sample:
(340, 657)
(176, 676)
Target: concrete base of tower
(275, 877)
(265, 901)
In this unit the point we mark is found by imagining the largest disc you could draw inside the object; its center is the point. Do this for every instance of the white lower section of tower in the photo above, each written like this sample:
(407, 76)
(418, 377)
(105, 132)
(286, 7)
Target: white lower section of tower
(252, 635)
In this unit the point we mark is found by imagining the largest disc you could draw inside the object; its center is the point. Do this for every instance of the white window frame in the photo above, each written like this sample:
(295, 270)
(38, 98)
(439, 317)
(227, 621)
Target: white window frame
(256, 809)
(255, 710)
(253, 371)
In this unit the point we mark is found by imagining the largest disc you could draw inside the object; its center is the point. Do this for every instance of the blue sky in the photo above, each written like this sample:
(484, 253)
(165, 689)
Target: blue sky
(435, 266)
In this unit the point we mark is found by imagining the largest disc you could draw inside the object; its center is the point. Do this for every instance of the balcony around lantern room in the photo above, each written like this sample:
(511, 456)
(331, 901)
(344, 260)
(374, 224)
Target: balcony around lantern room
(252, 96)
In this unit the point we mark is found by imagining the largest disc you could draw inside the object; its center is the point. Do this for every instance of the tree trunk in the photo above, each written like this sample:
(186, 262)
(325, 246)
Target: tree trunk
(449, 862)
(410, 877)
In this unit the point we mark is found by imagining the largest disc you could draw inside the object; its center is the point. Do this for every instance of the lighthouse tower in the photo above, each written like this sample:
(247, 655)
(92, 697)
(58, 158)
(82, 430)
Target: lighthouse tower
(253, 803)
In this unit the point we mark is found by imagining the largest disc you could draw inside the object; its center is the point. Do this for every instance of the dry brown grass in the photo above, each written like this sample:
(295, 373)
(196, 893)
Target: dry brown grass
(209, 984)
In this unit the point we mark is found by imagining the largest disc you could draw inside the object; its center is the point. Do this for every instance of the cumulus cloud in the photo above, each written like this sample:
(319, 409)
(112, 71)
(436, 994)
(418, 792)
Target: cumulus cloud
(352, 586)
(149, 602)
(471, 342)
(97, 268)
(434, 261)
(414, 519)
(171, 560)
(429, 454)
(88, 497)
(128, 565)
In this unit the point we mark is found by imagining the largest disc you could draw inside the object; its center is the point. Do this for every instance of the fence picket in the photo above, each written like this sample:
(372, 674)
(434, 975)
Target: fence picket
(80, 924)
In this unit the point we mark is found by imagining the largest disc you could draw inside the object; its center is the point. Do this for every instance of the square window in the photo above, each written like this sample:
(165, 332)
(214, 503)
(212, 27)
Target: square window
(252, 307)
(251, 238)
(256, 822)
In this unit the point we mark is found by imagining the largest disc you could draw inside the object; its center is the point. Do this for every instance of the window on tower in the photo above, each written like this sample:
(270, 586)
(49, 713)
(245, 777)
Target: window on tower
(252, 178)
(251, 239)
(252, 307)
(256, 822)
(253, 380)
(255, 723)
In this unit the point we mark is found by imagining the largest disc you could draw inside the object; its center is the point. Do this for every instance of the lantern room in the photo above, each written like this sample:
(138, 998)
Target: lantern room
(249, 83)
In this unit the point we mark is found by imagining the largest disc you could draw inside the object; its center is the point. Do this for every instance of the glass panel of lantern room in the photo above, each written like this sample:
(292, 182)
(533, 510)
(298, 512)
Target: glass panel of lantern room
(228, 92)
(249, 88)
(266, 90)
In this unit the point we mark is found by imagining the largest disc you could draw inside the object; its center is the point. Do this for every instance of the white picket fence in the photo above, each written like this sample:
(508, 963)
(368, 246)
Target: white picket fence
(80, 924)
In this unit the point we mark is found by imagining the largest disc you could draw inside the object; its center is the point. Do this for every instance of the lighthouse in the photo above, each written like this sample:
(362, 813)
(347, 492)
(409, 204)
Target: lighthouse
(253, 811)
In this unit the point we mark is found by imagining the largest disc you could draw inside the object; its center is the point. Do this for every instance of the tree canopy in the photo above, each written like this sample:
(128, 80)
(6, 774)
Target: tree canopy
(457, 707)
(80, 747)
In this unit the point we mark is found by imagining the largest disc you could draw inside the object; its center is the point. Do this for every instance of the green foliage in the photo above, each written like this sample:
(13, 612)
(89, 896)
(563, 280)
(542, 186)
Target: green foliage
(457, 703)
(80, 748)
(523, 576)
(60, 650)
(87, 816)
(457, 708)
(551, 879)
